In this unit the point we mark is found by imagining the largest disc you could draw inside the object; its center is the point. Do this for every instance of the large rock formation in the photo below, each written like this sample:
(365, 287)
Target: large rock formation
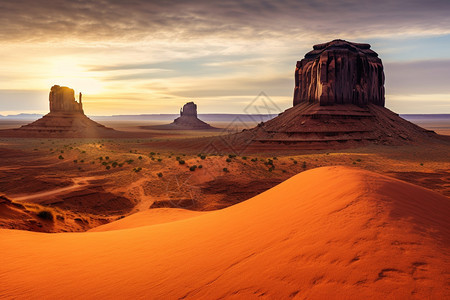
(340, 72)
(62, 99)
(187, 120)
(66, 119)
(189, 109)
(338, 103)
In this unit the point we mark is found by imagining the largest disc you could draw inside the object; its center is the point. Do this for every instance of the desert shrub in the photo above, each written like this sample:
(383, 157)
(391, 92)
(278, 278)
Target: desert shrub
(75, 161)
(269, 162)
(295, 162)
(140, 157)
(304, 165)
(254, 159)
(181, 162)
(160, 174)
(225, 170)
(121, 165)
(60, 157)
(192, 168)
(129, 161)
(83, 151)
(159, 160)
(137, 169)
(275, 158)
(177, 158)
(106, 157)
(100, 158)
(244, 157)
(104, 163)
(82, 161)
(358, 160)
(202, 156)
(152, 153)
(62, 151)
(200, 166)
(45, 215)
(231, 155)
(108, 167)
(114, 164)
(228, 160)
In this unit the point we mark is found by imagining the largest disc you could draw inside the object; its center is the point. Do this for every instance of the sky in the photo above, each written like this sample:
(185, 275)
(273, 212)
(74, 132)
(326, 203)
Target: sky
(146, 57)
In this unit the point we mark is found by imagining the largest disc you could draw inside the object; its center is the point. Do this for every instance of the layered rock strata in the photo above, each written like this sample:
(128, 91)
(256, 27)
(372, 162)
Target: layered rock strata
(340, 72)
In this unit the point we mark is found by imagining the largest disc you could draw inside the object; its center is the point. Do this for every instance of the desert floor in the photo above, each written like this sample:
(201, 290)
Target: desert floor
(89, 182)
(175, 223)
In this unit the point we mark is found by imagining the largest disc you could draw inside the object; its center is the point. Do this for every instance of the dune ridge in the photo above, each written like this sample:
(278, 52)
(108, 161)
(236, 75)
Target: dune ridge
(331, 232)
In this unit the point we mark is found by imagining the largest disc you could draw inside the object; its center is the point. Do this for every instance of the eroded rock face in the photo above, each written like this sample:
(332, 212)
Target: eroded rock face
(189, 109)
(340, 72)
(62, 99)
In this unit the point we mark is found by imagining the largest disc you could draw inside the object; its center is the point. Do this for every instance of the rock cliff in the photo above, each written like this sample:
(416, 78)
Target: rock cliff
(340, 72)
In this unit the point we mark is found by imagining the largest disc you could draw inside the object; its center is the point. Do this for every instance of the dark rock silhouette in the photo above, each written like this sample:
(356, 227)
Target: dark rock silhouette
(340, 72)
(189, 109)
(62, 99)
(66, 119)
(187, 120)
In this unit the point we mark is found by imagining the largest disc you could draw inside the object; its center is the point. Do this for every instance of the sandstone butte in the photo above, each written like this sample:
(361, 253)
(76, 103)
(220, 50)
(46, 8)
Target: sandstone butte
(338, 102)
(330, 232)
(188, 120)
(66, 119)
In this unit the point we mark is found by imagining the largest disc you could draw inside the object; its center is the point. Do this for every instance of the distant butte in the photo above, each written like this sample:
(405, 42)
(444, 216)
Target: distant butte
(66, 119)
(187, 120)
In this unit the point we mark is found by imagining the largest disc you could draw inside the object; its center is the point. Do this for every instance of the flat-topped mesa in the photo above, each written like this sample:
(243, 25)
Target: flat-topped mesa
(62, 99)
(189, 109)
(340, 72)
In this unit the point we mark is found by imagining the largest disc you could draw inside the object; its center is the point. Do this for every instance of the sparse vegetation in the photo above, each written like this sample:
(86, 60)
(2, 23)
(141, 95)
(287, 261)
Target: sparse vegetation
(160, 174)
(181, 162)
(61, 157)
(225, 170)
(228, 160)
(192, 168)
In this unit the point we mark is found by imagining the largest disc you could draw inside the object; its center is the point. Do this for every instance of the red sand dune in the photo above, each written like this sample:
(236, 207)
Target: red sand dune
(331, 232)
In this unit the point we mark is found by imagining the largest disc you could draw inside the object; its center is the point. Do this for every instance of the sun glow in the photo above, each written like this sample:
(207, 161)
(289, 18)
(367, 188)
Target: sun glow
(67, 72)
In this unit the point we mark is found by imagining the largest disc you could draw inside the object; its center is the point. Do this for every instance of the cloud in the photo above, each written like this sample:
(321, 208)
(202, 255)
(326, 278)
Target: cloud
(114, 20)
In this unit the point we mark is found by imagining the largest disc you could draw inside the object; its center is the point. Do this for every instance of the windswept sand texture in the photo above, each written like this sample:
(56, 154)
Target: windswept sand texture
(334, 232)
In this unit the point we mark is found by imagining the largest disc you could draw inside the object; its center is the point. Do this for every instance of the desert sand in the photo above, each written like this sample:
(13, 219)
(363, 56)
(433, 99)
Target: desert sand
(329, 232)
